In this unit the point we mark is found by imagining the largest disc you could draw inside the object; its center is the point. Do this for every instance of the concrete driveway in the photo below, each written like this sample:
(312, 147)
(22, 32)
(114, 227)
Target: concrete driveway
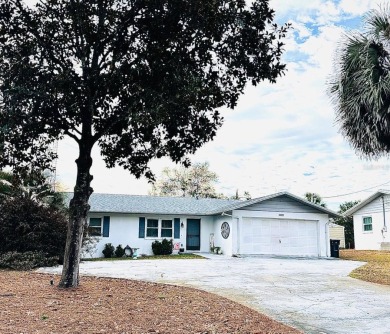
(313, 295)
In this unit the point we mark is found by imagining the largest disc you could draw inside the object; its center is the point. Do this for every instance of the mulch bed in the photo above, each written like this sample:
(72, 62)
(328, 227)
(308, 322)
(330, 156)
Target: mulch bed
(30, 305)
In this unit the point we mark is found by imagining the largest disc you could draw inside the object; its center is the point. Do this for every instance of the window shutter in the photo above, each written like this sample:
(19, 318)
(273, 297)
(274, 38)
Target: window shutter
(106, 226)
(176, 228)
(141, 230)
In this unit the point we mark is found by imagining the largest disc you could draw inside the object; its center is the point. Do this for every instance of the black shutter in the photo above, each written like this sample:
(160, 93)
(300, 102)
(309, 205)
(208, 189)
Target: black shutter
(106, 226)
(141, 230)
(176, 228)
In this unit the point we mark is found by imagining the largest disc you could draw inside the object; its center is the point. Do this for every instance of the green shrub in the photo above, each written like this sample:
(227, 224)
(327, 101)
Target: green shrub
(162, 248)
(26, 260)
(108, 250)
(119, 251)
(27, 226)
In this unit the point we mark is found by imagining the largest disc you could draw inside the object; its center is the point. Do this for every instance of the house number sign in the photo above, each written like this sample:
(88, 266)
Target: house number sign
(225, 230)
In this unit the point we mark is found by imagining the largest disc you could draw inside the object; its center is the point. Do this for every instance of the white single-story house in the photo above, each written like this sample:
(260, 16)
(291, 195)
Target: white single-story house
(278, 224)
(337, 232)
(370, 222)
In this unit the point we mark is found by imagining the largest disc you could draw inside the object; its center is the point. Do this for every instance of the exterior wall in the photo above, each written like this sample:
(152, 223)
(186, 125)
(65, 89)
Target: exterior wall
(219, 241)
(124, 230)
(372, 239)
(337, 232)
(323, 226)
(281, 204)
(206, 228)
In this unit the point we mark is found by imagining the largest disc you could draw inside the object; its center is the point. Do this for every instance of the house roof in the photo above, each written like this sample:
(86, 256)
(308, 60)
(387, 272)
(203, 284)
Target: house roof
(368, 200)
(120, 203)
(110, 203)
(242, 204)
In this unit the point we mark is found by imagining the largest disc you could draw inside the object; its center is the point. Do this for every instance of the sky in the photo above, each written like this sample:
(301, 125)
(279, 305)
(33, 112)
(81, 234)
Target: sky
(280, 137)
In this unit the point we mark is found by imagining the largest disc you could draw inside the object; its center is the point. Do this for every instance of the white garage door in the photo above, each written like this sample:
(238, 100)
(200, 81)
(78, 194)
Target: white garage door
(279, 237)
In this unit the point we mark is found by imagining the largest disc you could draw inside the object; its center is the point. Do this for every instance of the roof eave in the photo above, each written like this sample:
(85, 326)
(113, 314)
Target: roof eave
(331, 213)
(368, 200)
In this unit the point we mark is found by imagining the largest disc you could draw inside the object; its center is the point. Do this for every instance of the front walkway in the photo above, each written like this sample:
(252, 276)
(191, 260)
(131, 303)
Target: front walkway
(315, 296)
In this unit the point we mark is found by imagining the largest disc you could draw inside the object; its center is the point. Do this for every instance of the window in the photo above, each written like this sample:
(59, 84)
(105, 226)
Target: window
(159, 228)
(152, 228)
(166, 228)
(367, 224)
(95, 227)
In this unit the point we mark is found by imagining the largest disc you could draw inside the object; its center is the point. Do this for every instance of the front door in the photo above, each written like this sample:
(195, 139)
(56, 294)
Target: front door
(193, 234)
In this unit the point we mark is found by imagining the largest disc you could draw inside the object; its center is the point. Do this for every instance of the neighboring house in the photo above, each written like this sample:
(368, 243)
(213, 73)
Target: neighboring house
(279, 224)
(370, 222)
(337, 232)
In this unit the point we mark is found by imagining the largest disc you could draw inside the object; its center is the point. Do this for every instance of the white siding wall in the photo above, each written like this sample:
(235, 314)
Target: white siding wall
(372, 239)
(323, 231)
(337, 232)
(206, 228)
(219, 241)
(369, 239)
(124, 231)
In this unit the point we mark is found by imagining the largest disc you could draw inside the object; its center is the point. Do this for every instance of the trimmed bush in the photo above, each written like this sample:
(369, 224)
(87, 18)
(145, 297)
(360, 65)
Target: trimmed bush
(108, 250)
(119, 251)
(164, 247)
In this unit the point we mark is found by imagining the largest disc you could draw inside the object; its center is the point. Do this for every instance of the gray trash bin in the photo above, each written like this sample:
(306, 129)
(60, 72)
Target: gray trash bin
(334, 248)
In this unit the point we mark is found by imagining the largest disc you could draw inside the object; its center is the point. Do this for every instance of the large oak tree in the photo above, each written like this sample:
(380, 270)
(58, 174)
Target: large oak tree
(141, 79)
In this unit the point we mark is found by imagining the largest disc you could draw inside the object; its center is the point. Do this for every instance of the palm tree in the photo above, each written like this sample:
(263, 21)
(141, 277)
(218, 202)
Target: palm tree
(5, 183)
(360, 88)
(315, 198)
(34, 186)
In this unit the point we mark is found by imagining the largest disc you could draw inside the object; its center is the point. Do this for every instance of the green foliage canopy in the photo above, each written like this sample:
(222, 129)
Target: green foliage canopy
(29, 226)
(143, 79)
(347, 222)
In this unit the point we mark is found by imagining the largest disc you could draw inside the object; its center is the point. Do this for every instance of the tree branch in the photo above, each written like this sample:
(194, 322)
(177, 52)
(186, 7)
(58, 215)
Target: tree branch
(71, 135)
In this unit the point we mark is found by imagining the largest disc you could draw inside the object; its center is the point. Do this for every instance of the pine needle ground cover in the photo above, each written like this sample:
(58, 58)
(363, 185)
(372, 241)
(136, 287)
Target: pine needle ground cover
(30, 304)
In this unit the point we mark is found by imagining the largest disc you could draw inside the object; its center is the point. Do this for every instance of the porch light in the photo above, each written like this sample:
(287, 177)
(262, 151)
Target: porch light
(182, 224)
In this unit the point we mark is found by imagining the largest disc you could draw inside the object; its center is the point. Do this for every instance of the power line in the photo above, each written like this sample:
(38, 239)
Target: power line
(355, 192)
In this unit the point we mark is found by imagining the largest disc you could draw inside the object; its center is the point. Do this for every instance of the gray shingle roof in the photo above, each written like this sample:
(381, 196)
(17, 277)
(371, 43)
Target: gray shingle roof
(241, 204)
(155, 204)
(138, 204)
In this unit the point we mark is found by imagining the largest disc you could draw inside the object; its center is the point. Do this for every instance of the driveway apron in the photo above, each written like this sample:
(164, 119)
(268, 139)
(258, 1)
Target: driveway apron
(313, 295)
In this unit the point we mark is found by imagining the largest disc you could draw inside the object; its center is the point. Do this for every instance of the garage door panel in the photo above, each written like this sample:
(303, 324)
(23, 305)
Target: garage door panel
(279, 237)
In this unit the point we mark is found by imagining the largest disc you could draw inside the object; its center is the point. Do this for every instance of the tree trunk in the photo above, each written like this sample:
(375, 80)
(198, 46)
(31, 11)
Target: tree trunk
(78, 210)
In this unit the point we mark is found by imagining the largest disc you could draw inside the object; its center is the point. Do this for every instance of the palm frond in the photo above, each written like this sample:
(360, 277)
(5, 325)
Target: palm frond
(377, 21)
(360, 87)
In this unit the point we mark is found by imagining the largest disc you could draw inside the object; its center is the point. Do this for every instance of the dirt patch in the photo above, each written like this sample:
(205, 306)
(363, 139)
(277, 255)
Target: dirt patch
(30, 304)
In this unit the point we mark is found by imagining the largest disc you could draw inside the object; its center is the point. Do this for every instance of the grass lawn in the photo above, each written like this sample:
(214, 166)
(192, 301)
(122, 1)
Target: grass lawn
(377, 269)
(150, 257)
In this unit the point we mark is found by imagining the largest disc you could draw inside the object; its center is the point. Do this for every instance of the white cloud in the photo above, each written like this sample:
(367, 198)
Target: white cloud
(359, 7)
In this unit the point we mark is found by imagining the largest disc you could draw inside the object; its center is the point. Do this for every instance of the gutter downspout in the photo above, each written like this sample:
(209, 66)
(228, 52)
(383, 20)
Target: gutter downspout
(384, 229)
(327, 238)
